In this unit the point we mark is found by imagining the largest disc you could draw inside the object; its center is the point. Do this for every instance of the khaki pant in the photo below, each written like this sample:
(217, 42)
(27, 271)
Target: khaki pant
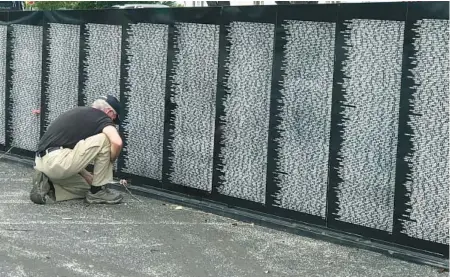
(63, 167)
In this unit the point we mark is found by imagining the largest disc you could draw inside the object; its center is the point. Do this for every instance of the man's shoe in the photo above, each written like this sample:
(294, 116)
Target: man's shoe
(41, 188)
(50, 198)
(103, 196)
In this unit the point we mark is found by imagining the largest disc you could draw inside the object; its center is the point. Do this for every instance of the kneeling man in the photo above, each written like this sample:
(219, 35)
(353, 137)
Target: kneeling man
(75, 139)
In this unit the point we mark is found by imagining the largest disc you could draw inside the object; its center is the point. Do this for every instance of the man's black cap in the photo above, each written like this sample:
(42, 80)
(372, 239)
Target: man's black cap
(115, 104)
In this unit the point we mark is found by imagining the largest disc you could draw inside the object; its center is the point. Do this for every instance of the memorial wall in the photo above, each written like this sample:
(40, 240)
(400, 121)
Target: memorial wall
(333, 115)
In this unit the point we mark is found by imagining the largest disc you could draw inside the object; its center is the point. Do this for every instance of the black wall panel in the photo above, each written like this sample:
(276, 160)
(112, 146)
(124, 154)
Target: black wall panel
(301, 110)
(333, 115)
(144, 89)
(422, 184)
(364, 126)
(23, 80)
(244, 102)
(61, 59)
(192, 86)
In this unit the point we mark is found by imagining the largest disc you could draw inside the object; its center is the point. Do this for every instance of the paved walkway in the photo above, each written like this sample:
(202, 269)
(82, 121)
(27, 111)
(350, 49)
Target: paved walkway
(152, 238)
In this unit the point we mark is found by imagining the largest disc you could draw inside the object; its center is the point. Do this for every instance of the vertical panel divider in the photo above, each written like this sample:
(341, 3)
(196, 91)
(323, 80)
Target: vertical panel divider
(220, 93)
(404, 146)
(81, 74)
(44, 75)
(8, 101)
(274, 115)
(336, 131)
(169, 107)
(123, 98)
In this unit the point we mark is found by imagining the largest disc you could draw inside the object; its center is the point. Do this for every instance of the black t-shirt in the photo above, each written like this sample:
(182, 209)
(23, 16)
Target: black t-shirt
(72, 126)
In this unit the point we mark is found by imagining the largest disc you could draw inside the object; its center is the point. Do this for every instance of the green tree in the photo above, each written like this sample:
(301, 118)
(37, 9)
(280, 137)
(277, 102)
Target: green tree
(90, 5)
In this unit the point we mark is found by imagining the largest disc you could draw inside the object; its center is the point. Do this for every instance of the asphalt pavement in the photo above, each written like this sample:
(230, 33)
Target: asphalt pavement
(154, 238)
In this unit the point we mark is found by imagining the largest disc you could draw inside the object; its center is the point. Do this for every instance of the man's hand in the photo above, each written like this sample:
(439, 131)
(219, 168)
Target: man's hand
(87, 176)
(123, 182)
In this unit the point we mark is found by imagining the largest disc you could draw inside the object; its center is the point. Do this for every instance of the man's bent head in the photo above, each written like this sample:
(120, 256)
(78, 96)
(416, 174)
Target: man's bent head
(109, 105)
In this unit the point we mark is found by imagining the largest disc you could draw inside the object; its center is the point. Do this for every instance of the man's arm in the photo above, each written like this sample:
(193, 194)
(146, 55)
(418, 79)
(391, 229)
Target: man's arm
(115, 140)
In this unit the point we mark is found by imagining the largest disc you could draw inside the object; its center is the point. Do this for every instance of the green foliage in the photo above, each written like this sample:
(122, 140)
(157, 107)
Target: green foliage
(52, 5)
(90, 5)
